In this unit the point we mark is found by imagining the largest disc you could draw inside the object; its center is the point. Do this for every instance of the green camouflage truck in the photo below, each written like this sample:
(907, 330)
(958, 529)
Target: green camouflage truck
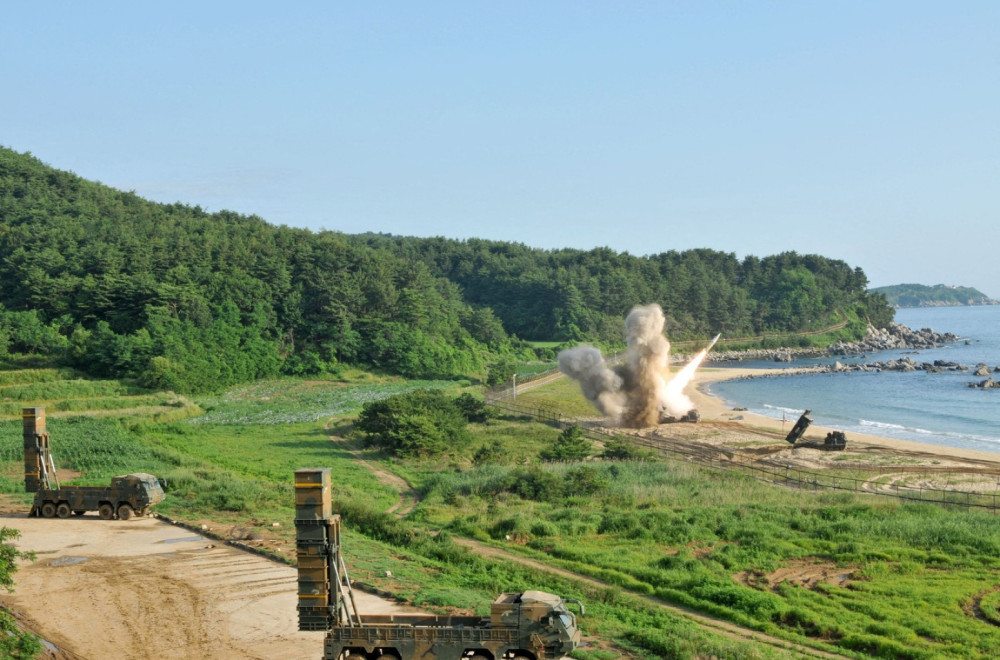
(533, 625)
(127, 496)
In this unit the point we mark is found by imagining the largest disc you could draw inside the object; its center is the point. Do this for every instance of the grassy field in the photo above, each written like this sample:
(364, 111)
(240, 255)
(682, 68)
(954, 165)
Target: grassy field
(850, 573)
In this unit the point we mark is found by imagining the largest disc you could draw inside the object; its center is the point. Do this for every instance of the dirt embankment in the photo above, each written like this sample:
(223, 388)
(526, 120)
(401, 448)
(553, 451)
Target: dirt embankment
(146, 589)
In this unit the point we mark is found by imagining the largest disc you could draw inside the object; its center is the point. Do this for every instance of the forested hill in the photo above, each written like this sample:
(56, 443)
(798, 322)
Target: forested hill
(192, 301)
(183, 299)
(939, 295)
(584, 295)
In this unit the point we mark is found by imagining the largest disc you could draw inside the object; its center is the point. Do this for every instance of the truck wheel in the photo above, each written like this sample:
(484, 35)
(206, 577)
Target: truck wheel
(48, 510)
(125, 512)
(63, 510)
(106, 511)
(355, 656)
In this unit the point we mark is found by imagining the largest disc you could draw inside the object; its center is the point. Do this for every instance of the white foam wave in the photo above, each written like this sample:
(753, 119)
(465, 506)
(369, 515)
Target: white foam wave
(794, 411)
(886, 425)
(950, 438)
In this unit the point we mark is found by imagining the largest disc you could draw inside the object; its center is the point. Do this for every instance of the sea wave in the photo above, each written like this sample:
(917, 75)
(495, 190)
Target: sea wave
(887, 425)
(949, 438)
(793, 411)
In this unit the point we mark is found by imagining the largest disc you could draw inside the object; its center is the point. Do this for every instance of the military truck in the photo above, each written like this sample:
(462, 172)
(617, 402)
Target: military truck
(533, 625)
(128, 495)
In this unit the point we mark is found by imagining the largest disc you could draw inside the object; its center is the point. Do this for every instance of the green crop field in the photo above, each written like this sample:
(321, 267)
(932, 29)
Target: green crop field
(852, 574)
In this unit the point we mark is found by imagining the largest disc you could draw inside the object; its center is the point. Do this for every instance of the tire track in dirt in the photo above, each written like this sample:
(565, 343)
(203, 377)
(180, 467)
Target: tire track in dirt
(408, 496)
(143, 589)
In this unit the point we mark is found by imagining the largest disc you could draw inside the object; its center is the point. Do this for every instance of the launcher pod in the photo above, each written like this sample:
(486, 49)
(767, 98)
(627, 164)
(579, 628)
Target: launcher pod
(533, 625)
(128, 495)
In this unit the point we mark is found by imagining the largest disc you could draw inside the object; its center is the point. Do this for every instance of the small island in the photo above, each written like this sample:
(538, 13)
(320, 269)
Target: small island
(939, 295)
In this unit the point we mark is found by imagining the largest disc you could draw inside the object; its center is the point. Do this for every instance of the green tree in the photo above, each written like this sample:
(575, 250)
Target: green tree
(501, 371)
(571, 445)
(495, 452)
(419, 423)
(14, 641)
(473, 408)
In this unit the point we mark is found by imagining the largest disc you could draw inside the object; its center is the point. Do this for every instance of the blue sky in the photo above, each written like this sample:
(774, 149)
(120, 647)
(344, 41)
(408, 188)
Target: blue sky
(864, 131)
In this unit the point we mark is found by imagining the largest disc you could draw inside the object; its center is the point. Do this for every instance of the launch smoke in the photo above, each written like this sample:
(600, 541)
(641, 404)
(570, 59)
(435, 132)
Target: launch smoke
(641, 390)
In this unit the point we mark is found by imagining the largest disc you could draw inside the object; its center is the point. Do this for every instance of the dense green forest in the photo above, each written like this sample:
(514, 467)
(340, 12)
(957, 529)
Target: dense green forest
(182, 299)
(575, 295)
(939, 295)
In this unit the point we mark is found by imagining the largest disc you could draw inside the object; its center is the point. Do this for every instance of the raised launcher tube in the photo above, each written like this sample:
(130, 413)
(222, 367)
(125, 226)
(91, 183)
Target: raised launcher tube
(800, 428)
(39, 468)
(322, 575)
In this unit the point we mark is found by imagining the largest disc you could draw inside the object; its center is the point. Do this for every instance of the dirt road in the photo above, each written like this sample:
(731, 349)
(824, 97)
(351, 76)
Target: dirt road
(146, 589)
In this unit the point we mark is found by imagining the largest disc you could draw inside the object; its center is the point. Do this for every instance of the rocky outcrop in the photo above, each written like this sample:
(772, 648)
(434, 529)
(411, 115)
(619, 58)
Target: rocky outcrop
(897, 336)
(905, 364)
(988, 384)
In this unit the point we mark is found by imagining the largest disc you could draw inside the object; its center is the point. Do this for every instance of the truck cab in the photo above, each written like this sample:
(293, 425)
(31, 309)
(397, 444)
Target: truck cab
(141, 490)
(539, 615)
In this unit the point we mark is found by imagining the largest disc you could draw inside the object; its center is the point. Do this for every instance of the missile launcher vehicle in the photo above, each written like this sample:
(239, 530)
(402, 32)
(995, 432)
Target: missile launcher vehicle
(127, 496)
(533, 625)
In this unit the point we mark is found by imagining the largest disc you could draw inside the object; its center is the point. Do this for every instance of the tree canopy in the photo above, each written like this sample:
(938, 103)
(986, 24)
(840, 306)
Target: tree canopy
(182, 299)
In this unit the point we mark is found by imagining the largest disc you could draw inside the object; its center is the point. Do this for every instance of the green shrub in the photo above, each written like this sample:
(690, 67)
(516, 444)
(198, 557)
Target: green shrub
(571, 445)
(418, 423)
(473, 408)
(620, 449)
(493, 453)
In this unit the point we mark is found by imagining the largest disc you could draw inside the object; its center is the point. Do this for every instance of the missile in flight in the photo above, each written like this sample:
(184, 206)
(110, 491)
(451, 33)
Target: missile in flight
(712, 343)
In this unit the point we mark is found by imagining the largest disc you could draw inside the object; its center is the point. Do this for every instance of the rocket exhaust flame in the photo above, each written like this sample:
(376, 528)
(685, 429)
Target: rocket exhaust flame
(640, 391)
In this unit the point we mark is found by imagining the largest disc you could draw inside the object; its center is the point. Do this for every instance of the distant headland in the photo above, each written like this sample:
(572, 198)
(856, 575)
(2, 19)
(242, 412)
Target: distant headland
(939, 295)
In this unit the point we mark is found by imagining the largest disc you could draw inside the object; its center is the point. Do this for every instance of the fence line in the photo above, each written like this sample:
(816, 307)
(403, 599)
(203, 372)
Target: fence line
(788, 476)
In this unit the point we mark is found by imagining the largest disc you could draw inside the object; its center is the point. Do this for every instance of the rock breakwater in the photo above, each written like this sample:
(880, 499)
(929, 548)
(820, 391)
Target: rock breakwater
(896, 337)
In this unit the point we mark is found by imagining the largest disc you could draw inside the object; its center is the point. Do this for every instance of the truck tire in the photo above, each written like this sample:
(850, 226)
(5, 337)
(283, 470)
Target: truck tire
(106, 511)
(356, 656)
(125, 512)
(63, 510)
(48, 510)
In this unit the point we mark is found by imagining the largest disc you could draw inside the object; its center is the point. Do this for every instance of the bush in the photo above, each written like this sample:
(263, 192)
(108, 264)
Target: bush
(418, 423)
(473, 409)
(623, 450)
(585, 480)
(571, 445)
(495, 452)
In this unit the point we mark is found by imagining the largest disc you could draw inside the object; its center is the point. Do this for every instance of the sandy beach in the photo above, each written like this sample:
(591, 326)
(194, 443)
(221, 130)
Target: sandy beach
(759, 438)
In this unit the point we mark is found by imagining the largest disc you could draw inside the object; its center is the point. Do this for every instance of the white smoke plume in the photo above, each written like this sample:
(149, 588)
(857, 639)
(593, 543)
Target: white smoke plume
(641, 390)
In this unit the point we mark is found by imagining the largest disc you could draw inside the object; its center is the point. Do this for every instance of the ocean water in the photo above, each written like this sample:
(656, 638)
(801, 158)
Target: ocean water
(936, 409)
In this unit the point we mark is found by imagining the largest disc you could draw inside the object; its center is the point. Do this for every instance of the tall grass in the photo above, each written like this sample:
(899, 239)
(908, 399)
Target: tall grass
(290, 401)
(65, 389)
(685, 534)
(25, 376)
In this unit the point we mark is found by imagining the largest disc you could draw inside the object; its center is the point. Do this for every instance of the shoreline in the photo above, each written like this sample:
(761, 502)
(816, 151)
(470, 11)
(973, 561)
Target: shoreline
(713, 408)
